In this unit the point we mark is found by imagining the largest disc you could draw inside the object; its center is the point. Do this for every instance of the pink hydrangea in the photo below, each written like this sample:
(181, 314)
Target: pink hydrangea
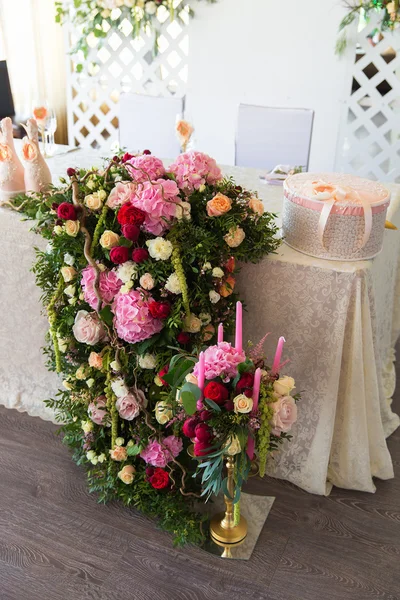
(133, 320)
(158, 200)
(145, 167)
(194, 169)
(109, 286)
(159, 456)
(97, 412)
(221, 360)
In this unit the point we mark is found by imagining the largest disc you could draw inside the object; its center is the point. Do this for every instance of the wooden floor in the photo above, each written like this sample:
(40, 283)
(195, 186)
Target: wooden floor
(57, 543)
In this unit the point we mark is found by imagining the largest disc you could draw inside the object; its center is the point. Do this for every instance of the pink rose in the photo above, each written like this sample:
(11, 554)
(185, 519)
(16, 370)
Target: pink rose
(128, 407)
(159, 455)
(285, 414)
(97, 412)
(88, 329)
(120, 194)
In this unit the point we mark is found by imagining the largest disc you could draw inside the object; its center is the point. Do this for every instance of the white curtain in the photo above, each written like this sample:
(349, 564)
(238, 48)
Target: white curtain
(33, 45)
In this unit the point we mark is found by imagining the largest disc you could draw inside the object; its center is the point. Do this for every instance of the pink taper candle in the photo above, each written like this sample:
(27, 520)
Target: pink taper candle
(278, 355)
(220, 333)
(200, 377)
(239, 327)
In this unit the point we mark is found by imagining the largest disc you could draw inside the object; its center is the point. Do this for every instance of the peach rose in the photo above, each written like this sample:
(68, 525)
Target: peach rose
(95, 361)
(29, 151)
(68, 273)
(227, 286)
(119, 453)
(208, 333)
(234, 237)
(5, 152)
(285, 414)
(256, 206)
(109, 239)
(219, 205)
(243, 404)
(72, 228)
(93, 201)
(127, 474)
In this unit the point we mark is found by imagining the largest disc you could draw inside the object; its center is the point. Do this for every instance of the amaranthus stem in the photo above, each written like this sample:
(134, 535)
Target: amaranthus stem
(52, 315)
(177, 264)
(99, 226)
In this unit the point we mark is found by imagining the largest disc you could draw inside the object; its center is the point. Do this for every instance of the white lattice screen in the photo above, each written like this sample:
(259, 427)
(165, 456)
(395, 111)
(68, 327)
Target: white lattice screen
(369, 141)
(122, 64)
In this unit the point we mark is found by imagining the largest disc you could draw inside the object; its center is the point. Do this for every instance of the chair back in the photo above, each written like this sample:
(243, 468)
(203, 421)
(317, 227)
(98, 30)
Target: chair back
(149, 122)
(267, 136)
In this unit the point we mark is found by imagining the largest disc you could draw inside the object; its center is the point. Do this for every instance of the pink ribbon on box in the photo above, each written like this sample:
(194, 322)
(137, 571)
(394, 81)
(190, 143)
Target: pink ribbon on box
(330, 194)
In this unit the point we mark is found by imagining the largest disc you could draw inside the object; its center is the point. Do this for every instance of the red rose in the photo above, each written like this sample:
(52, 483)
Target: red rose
(163, 372)
(202, 448)
(183, 338)
(246, 382)
(189, 427)
(131, 232)
(203, 433)
(159, 310)
(71, 172)
(216, 392)
(119, 254)
(206, 415)
(66, 211)
(146, 152)
(159, 479)
(129, 214)
(230, 265)
(126, 157)
(139, 255)
(229, 405)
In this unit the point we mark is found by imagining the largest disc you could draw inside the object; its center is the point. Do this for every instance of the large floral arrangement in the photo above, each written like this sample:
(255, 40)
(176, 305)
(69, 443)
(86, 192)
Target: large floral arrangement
(140, 265)
(388, 9)
(98, 17)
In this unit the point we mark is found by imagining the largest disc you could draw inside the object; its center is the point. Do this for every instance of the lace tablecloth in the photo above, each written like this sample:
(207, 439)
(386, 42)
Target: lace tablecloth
(341, 322)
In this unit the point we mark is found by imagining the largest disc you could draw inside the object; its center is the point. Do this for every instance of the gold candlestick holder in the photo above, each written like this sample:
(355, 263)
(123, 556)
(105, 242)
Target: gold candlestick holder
(223, 530)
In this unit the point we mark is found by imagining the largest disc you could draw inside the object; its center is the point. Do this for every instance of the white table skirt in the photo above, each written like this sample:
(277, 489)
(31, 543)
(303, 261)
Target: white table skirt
(341, 322)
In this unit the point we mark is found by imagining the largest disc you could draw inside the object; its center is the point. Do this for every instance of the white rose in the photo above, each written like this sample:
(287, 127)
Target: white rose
(190, 378)
(232, 445)
(163, 412)
(72, 228)
(192, 324)
(67, 384)
(119, 388)
(70, 291)
(127, 271)
(150, 7)
(62, 344)
(183, 211)
(101, 458)
(284, 385)
(217, 272)
(243, 404)
(90, 382)
(102, 194)
(87, 426)
(207, 266)
(93, 201)
(234, 237)
(214, 297)
(115, 366)
(119, 441)
(148, 361)
(68, 273)
(58, 229)
(90, 183)
(146, 281)
(81, 373)
(125, 289)
(159, 248)
(69, 259)
(91, 454)
(109, 239)
(205, 318)
(173, 285)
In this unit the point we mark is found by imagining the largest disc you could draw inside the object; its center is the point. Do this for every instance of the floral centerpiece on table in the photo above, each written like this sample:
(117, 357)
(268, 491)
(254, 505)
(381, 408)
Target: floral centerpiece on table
(98, 17)
(232, 404)
(140, 265)
(388, 9)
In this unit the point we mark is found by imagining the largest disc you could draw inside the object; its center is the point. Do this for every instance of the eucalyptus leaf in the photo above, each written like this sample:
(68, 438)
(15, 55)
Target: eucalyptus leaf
(189, 402)
(212, 405)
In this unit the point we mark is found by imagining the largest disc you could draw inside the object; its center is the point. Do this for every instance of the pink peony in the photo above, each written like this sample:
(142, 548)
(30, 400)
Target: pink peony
(88, 329)
(221, 360)
(109, 286)
(145, 168)
(194, 169)
(133, 320)
(158, 200)
(285, 414)
(121, 194)
(97, 412)
(128, 407)
(159, 456)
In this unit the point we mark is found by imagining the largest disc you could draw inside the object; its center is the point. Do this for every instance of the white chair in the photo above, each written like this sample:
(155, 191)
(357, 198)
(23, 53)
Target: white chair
(149, 122)
(268, 136)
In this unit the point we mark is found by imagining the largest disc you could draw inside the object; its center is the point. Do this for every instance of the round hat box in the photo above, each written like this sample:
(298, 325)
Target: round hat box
(334, 216)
